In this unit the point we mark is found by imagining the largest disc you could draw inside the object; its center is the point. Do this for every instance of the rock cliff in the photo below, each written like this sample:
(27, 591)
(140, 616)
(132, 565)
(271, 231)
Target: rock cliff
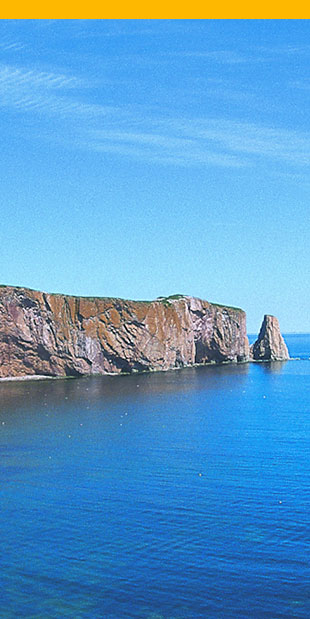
(270, 345)
(59, 335)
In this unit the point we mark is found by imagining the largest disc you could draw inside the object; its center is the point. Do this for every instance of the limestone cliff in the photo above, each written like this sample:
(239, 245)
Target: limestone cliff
(270, 345)
(59, 335)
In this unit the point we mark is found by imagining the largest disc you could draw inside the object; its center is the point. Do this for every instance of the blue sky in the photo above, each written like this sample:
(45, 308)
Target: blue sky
(146, 158)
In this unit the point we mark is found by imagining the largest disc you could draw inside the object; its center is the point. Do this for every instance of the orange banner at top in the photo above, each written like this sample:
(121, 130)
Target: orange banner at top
(156, 10)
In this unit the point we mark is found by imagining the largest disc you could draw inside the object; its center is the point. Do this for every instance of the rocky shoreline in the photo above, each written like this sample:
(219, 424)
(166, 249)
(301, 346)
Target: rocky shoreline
(53, 335)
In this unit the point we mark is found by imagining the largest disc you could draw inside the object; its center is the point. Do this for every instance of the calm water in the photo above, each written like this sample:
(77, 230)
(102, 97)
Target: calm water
(174, 495)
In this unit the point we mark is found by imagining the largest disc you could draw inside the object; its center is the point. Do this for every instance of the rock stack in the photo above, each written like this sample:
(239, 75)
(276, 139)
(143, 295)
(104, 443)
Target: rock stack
(270, 345)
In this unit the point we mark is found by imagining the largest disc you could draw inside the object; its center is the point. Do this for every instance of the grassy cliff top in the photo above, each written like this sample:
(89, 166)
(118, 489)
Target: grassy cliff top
(165, 300)
(175, 297)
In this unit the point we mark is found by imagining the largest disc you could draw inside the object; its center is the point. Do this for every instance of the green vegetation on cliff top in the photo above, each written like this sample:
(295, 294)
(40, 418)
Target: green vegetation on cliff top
(165, 300)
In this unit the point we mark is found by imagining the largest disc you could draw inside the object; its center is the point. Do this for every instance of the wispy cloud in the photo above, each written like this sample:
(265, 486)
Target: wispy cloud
(19, 78)
(45, 92)
(117, 32)
(254, 55)
(142, 133)
(8, 44)
(250, 139)
(88, 29)
(165, 147)
(300, 85)
(219, 56)
(192, 142)
(285, 50)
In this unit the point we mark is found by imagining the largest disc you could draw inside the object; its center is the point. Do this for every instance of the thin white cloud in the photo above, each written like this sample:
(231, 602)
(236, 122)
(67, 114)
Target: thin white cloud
(6, 46)
(108, 34)
(87, 29)
(254, 55)
(218, 56)
(13, 77)
(246, 139)
(9, 44)
(146, 139)
(136, 132)
(299, 85)
(205, 141)
(53, 106)
(166, 153)
(286, 50)
(44, 92)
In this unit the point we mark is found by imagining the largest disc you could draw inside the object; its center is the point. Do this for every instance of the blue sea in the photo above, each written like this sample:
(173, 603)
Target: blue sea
(172, 495)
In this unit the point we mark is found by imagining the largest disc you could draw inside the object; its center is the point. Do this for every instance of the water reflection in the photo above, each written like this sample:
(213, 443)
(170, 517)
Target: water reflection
(94, 389)
(273, 367)
(157, 495)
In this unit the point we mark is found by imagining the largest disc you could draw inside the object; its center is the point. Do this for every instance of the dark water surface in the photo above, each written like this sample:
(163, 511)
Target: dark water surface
(173, 495)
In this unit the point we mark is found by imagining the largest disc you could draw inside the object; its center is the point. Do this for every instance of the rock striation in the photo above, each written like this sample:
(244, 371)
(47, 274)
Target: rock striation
(60, 335)
(270, 345)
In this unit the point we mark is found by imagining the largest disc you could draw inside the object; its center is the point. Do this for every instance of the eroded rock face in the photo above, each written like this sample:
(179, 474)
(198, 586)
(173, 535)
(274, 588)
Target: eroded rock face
(58, 335)
(270, 345)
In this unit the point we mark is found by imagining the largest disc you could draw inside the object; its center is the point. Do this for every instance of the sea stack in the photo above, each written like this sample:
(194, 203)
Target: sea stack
(270, 345)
